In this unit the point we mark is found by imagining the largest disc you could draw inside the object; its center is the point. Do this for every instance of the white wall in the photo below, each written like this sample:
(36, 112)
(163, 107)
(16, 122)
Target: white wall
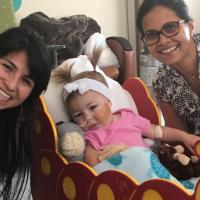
(194, 6)
(116, 17)
(111, 15)
(131, 23)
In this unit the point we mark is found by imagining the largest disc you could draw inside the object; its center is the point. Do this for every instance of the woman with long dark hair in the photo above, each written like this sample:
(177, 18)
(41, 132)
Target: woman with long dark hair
(25, 68)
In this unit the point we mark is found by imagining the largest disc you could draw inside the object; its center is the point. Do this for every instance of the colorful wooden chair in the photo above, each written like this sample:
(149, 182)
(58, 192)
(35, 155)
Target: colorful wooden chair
(53, 178)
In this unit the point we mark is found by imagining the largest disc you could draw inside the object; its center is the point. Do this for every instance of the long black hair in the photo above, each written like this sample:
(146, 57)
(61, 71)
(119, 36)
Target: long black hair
(178, 6)
(16, 123)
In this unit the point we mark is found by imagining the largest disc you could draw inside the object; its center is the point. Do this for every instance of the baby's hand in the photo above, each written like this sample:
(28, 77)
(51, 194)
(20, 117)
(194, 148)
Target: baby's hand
(109, 150)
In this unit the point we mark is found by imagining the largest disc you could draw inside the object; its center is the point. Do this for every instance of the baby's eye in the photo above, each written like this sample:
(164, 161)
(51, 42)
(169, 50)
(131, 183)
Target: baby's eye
(93, 107)
(76, 115)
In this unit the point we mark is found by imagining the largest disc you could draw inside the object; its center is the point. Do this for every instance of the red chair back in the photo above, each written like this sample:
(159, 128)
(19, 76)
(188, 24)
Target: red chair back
(143, 100)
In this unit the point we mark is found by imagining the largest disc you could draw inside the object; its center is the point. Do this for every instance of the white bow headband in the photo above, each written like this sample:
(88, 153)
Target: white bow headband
(83, 85)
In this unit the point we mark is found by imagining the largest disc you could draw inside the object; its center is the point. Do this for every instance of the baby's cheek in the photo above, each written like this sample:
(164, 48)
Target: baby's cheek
(103, 114)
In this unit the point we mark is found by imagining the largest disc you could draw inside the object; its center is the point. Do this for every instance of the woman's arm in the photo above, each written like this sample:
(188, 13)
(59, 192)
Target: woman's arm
(171, 117)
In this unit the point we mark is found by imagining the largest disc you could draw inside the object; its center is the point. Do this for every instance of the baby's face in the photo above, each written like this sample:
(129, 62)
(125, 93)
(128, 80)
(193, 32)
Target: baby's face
(90, 110)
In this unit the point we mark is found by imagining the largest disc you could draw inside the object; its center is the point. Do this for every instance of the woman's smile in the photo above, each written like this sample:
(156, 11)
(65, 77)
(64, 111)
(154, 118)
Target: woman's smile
(4, 96)
(169, 50)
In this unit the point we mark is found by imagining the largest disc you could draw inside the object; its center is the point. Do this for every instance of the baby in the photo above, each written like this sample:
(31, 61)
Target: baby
(87, 100)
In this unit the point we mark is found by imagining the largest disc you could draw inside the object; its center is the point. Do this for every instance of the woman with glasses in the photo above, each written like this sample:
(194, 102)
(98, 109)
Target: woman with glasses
(168, 31)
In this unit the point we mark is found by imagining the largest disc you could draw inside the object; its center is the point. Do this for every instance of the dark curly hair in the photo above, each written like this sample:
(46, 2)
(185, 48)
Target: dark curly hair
(178, 6)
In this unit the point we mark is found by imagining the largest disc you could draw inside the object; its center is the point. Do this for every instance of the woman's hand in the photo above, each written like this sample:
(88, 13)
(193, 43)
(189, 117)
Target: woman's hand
(109, 150)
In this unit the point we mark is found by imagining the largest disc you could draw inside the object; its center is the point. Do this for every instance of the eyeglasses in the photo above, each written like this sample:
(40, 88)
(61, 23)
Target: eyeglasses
(169, 29)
